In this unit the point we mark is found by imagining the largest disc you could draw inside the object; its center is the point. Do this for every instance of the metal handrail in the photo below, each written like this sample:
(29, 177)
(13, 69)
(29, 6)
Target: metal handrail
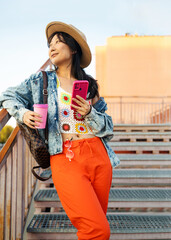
(137, 96)
(139, 109)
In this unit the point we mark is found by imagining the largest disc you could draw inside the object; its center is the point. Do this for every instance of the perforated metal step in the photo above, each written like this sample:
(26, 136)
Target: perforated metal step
(142, 173)
(118, 223)
(141, 144)
(132, 173)
(143, 127)
(140, 194)
(118, 133)
(146, 157)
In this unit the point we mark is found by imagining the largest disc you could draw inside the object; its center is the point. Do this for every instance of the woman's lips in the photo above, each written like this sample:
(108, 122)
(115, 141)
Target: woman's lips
(54, 55)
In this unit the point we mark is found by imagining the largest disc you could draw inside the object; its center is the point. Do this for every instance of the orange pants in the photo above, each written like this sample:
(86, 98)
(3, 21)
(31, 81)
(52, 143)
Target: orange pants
(83, 186)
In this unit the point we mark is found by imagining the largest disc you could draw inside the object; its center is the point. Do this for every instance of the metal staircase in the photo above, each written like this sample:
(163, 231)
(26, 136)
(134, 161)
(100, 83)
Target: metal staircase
(140, 197)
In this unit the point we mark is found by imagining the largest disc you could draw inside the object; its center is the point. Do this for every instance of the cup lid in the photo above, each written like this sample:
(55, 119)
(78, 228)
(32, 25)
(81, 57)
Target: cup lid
(40, 105)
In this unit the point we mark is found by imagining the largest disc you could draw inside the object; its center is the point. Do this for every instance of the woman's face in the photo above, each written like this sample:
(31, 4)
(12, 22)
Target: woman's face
(59, 52)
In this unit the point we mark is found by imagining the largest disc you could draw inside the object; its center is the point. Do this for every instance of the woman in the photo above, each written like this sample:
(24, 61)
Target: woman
(81, 160)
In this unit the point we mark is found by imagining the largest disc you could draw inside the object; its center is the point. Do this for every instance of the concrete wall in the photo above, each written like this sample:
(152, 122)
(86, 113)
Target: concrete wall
(134, 66)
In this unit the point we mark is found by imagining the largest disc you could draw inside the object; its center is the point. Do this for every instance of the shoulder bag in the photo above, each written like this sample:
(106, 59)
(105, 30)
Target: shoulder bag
(38, 147)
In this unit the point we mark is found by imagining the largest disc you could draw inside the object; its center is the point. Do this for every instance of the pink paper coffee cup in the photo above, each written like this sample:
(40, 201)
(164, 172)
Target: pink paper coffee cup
(41, 109)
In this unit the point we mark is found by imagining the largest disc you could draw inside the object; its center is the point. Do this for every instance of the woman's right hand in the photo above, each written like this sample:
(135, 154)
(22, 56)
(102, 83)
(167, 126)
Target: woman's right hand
(31, 119)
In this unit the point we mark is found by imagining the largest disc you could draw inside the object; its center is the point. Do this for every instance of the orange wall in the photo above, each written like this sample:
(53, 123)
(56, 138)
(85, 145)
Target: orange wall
(134, 66)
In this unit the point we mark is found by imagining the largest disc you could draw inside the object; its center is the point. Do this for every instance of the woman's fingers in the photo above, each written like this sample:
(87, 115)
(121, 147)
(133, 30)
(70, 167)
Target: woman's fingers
(78, 101)
(32, 119)
(29, 125)
(81, 99)
(83, 107)
(76, 107)
(33, 123)
(37, 119)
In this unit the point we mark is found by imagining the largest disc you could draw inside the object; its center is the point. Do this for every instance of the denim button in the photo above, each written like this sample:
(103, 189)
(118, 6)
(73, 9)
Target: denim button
(55, 118)
(53, 90)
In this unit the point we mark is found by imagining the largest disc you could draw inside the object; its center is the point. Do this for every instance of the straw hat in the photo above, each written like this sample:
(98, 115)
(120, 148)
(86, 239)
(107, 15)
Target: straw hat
(53, 27)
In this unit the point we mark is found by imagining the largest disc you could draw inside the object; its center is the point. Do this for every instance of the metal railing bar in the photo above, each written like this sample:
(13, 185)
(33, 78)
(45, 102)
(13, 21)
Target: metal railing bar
(45, 65)
(8, 143)
(4, 117)
(5, 202)
(136, 96)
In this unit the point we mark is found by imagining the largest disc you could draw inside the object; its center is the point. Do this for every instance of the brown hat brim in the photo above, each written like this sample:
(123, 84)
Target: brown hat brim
(53, 27)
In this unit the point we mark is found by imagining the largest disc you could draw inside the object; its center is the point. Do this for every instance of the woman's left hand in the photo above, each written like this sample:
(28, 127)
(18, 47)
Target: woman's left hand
(84, 107)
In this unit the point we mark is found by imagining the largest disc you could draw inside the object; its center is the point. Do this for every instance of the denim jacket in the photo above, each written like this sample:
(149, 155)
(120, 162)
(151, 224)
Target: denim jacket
(18, 100)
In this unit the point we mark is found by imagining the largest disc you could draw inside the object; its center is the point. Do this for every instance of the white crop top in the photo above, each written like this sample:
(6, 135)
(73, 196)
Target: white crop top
(70, 121)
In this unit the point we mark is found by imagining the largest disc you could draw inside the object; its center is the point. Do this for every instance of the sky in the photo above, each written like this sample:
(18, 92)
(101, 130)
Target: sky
(23, 48)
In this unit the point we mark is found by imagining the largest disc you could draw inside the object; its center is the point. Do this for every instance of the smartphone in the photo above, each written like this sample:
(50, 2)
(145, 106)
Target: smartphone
(79, 88)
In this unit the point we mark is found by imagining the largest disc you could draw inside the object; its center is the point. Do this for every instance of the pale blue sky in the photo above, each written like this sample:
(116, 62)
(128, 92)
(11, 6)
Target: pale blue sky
(23, 46)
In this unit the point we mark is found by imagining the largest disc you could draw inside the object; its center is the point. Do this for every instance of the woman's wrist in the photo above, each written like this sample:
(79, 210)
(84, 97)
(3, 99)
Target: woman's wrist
(89, 110)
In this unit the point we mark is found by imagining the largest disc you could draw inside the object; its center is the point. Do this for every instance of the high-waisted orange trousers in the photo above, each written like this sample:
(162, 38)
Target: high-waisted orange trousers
(83, 186)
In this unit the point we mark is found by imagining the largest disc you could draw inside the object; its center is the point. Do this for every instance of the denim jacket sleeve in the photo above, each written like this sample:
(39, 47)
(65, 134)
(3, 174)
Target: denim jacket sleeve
(100, 122)
(100, 105)
(17, 100)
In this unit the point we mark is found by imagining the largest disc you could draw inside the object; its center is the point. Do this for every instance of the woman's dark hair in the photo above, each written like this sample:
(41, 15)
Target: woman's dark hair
(76, 70)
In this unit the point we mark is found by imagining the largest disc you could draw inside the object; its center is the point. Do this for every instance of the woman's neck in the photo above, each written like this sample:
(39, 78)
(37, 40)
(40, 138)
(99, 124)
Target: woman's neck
(64, 72)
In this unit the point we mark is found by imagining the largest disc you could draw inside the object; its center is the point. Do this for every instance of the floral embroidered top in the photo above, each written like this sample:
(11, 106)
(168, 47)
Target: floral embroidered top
(70, 121)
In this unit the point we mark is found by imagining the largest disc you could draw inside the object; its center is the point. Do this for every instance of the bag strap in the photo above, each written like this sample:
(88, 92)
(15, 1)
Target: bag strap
(45, 100)
(37, 176)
